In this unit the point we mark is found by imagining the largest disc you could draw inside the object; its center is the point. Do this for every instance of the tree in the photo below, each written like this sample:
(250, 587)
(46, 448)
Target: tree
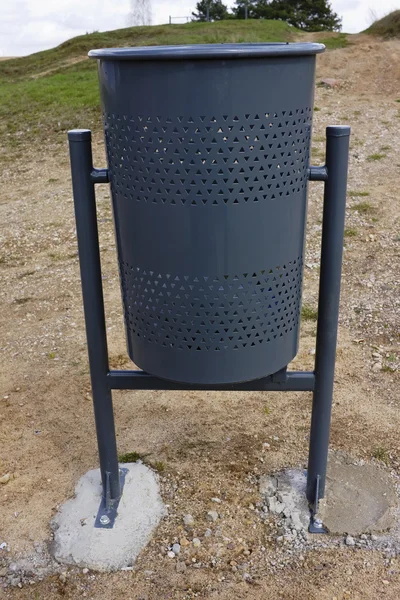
(309, 15)
(243, 6)
(140, 13)
(211, 10)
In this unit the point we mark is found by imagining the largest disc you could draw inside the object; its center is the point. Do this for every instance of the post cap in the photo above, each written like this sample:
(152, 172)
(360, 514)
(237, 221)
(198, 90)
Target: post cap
(338, 131)
(79, 135)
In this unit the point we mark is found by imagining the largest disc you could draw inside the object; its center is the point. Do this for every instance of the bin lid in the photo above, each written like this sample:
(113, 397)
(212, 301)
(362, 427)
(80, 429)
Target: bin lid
(208, 51)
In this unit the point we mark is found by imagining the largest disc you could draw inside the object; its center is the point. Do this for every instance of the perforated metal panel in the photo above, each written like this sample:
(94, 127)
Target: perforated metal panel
(212, 313)
(207, 159)
(208, 163)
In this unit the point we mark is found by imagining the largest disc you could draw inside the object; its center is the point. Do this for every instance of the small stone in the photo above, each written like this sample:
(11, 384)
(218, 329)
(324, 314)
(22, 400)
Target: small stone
(85, 571)
(377, 366)
(196, 542)
(363, 536)
(275, 506)
(180, 566)
(330, 82)
(171, 554)
(176, 548)
(217, 500)
(184, 542)
(5, 478)
(207, 533)
(3, 546)
(3, 571)
(374, 538)
(268, 484)
(62, 577)
(188, 520)
(385, 582)
(12, 567)
(212, 515)
(349, 541)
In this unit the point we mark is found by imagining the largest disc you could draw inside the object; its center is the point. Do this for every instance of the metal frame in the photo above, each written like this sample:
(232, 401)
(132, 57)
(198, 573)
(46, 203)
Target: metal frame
(320, 382)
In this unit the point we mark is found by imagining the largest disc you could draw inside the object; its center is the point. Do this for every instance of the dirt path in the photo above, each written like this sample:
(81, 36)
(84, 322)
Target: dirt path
(210, 444)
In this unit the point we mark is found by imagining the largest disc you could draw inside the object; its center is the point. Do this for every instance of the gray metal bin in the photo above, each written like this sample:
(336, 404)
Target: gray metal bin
(208, 155)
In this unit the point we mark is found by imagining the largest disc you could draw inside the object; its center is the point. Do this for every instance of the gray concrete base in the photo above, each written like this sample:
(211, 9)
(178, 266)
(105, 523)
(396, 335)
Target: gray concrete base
(359, 497)
(77, 542)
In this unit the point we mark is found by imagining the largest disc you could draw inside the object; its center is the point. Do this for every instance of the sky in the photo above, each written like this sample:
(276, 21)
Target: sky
(28, 26)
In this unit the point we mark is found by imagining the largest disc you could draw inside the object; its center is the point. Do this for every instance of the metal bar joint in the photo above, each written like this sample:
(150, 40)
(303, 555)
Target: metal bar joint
(99, 176)
(318, 173)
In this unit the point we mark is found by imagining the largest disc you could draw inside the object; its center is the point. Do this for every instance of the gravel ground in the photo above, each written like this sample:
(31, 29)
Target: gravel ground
(207, 446)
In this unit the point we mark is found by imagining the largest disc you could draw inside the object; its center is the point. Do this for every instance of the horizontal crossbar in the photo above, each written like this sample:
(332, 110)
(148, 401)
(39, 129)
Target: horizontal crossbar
(293, 381)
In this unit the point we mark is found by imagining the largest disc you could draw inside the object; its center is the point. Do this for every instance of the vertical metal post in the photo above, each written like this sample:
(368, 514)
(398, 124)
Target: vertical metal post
(337, 152)
(80, 149)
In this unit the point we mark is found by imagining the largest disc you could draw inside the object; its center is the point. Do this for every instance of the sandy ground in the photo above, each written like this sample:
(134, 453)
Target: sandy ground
(210, 444)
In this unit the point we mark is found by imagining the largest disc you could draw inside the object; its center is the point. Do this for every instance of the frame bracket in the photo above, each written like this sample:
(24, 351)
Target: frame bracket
(108, 508)
(316, 525)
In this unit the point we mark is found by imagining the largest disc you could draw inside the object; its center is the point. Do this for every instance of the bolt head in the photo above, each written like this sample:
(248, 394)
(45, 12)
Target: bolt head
(318, 523)
(104, 520)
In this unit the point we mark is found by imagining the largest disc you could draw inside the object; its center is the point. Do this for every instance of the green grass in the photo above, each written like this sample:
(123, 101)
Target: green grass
(158, 466)
(376, 156)
(340, 40)
(356, 194)
(131, 457)
(308, 313)
(381, 454)
(350, 232)
(363, 208)
(189, 33)
(387, 27)
(45, 94)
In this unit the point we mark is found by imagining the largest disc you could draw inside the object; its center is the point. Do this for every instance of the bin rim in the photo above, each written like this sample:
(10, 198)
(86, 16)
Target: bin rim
(209, 51)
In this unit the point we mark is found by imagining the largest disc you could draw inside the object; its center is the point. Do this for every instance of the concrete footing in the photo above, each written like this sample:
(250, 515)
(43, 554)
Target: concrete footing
(76, 540)
(359, 497)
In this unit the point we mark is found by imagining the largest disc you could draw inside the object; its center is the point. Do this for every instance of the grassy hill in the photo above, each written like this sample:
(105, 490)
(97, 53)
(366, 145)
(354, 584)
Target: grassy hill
(388, 26)
(47, 93)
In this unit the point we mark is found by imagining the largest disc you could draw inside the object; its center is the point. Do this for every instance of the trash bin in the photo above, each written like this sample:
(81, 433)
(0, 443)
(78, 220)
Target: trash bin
(208, 156)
